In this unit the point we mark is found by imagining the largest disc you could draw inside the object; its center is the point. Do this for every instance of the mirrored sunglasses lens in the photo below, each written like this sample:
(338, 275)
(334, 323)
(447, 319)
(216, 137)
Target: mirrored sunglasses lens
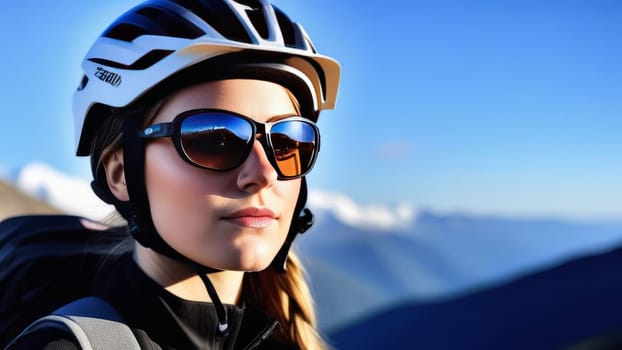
(215, 140)
(295, 144)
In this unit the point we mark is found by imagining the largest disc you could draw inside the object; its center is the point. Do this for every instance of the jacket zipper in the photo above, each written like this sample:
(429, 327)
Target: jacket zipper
(263, 336)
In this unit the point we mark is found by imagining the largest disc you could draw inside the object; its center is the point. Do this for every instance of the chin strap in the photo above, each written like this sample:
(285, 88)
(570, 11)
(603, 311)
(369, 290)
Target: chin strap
(301, 222)
(221, 312)
(139, 214)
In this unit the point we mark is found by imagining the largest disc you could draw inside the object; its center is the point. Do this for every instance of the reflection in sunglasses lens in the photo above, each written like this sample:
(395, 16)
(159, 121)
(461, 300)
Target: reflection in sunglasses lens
(221, 141)
(294, 146)
(215, 141)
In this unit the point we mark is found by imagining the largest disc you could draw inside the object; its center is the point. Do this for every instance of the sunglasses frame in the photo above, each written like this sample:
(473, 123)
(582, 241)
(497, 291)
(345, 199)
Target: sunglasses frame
(261, 132)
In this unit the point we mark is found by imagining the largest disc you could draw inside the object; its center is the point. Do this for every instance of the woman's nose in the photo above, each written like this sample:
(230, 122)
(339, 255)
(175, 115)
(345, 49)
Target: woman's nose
(256, 172)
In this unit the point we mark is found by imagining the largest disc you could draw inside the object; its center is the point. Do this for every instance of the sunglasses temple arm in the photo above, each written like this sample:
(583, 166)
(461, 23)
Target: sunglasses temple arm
(156, 131)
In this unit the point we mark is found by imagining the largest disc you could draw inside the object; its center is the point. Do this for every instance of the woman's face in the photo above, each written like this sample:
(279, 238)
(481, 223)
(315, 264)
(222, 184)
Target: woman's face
(232, 220)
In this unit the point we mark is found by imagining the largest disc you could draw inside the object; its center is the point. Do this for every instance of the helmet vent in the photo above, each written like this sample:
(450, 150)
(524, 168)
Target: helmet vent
(151, 20)
(83, 82)
(124, 31)
(254, 11)
(254, 4)
(259, 22)
(219, 16)
(150, 12)
(148, 60)
(287, 29)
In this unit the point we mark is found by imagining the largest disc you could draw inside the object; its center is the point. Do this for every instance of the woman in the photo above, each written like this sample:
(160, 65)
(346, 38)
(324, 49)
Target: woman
(199, 119)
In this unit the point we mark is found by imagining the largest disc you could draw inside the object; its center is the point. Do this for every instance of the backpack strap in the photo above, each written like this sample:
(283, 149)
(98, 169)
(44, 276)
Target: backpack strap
(94, 322)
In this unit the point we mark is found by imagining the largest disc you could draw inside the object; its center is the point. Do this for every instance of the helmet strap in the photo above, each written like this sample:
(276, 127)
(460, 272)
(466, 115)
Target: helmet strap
(139, 217)
(301, 222)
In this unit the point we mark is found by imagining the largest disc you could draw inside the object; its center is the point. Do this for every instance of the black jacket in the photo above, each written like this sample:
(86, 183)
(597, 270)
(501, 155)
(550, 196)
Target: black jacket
(161, 320)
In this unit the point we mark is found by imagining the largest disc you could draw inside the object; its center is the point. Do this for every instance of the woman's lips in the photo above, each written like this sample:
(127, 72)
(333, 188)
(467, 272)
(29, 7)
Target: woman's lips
(252, 217)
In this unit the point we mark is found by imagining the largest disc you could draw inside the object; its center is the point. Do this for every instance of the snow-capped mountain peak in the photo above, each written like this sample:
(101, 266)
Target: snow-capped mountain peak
(70, 194)
(375, 216)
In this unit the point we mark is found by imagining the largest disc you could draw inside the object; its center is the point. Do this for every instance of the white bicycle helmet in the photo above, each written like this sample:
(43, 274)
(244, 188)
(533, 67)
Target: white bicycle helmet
(158, 39)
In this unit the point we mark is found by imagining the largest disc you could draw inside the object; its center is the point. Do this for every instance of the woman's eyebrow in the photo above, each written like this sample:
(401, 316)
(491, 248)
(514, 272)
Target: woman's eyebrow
(282, 116)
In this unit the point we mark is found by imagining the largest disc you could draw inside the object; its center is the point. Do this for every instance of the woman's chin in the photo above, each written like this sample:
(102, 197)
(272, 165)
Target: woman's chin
(252, 265)
(244, 261)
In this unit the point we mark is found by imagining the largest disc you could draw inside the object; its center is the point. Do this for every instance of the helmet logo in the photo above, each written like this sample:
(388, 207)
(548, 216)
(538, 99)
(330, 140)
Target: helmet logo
(109, 77)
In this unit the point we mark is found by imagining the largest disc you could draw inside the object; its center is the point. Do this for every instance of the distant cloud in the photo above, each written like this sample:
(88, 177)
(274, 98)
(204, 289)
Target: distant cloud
(375, 216)
(396, 149)
(71, 195)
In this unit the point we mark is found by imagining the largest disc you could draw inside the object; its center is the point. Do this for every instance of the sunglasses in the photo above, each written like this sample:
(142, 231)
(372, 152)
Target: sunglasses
(222, 140)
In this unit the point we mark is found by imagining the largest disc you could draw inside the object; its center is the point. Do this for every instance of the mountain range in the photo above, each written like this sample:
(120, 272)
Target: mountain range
(364, 261)
(440, 257)
(571, 305)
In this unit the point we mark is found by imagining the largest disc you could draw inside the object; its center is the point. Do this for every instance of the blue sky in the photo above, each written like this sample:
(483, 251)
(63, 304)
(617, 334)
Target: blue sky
(486, 107)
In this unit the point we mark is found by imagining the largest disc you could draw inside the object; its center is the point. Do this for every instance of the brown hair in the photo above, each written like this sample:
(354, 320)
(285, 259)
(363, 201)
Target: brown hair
(287, 297)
